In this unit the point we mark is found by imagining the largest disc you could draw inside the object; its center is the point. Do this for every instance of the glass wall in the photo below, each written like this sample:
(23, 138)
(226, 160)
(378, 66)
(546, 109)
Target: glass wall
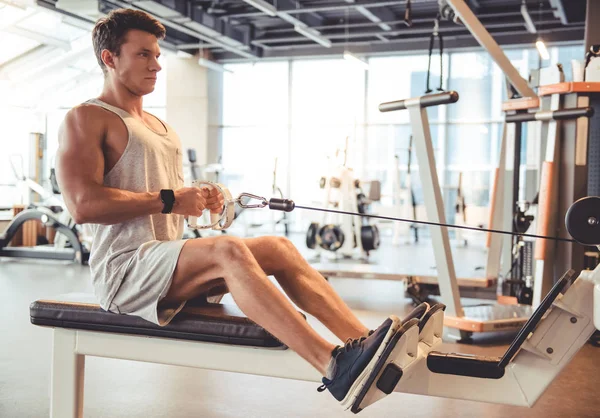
(307, 112)
(255, 132)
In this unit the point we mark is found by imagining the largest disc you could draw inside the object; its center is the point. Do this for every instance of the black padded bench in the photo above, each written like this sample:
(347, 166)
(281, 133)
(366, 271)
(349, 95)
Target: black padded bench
(206, 336)
(208, 322)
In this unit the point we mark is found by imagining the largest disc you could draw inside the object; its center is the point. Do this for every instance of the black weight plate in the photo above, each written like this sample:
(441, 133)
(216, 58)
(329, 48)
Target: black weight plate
(330, 237)
(579, 217)
(369, 235)
(311, 235)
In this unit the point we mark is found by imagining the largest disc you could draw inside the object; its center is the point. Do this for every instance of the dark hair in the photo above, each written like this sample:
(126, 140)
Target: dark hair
(110, 31)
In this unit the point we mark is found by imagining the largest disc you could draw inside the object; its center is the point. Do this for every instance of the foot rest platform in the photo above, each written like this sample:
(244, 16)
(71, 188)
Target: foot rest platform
(208, 322)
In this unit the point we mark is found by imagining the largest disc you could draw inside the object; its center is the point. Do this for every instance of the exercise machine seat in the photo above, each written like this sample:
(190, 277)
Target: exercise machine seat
(198, 321)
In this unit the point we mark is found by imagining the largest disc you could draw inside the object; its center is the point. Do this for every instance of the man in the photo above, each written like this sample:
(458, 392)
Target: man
(120, 169)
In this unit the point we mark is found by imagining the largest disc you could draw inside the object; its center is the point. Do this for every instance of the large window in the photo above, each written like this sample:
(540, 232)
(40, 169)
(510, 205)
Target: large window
(327, 119)
(307, 112)
(255, 131)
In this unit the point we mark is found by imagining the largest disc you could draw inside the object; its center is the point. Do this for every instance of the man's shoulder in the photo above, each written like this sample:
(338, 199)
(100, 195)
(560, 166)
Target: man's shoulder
(86, 119)
(86, 110)
(88, 115)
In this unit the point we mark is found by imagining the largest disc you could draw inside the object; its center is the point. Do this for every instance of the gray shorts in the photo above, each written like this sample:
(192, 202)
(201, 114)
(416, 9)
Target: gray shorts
(147, 281)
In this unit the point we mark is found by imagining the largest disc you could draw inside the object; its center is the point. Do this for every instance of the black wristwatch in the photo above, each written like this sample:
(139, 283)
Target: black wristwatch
(167, 196)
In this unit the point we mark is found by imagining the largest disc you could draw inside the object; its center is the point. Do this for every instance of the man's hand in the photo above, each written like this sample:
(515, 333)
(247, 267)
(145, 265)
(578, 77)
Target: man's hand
(214, 199)
(189, 201)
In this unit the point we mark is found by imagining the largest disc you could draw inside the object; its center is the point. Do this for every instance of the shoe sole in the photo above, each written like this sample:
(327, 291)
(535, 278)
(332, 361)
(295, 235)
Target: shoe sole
(379, 367)
(378, 358)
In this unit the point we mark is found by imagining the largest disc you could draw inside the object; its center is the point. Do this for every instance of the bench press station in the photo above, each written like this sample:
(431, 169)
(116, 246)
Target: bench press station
(218, 337)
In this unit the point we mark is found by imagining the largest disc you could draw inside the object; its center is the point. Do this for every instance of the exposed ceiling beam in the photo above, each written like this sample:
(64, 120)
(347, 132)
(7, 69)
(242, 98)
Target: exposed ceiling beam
(303, 24)
(447, 29)
(192, 32)
(376, 15)
(325, 7)
(559, 11)
(527, 18)
(331, 6)
(495, 16)
(39, 37)
(411, 45)
(263, 6)
(474, 5)
(8, 25)
(25, 60)
(51, 65)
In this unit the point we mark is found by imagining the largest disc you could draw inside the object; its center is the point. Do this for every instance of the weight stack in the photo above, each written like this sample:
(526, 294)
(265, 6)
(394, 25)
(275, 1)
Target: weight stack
(593, 161)
(528, 259)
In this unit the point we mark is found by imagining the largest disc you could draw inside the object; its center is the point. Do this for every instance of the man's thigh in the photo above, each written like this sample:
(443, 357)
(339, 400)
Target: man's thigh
(198, 270)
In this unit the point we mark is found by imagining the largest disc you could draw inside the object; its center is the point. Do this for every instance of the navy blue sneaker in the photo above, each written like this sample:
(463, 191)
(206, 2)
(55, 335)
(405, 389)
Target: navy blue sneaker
(419, 312)
(356, 360)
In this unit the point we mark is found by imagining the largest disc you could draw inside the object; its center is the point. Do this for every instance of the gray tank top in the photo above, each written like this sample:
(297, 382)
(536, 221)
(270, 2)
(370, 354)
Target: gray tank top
(151, 161)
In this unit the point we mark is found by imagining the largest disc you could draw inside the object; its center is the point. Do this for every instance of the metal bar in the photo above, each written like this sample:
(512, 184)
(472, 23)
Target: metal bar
(37, 253)
(480, 33)
(566, 114)
(67, 380)
(424, 101)
(435, 210)
(497, 217)
(510, 195)
(592, 17)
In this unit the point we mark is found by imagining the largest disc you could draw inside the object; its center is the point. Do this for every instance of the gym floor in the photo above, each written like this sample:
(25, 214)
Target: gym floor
(118, 388)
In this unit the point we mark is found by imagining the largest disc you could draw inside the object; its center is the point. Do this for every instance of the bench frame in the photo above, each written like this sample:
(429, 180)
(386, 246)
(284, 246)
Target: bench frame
(71, 346)
(565, 329)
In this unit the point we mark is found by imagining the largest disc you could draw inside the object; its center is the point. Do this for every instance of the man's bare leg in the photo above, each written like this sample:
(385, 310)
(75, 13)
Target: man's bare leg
(305, 286)
(203, 260)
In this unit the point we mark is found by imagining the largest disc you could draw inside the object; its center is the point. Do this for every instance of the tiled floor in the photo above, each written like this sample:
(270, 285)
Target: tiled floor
(117, 388)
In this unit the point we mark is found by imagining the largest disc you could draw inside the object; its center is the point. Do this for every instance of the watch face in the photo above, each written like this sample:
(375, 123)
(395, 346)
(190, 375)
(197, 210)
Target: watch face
(167, 196)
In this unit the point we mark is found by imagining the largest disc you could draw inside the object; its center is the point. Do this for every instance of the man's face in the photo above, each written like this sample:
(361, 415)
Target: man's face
(137, 64)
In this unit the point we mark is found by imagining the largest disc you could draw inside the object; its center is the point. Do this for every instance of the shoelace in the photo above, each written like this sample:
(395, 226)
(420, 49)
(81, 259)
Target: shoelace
(350, 344)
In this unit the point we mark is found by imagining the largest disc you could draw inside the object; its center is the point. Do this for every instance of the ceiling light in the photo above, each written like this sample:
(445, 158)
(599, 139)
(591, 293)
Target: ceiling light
(541, 47)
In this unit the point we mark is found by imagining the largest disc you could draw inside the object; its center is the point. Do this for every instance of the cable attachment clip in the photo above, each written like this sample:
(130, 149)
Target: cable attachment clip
(244, 198)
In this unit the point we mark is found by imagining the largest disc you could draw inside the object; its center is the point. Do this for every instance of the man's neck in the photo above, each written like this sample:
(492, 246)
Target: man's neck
(123, 99)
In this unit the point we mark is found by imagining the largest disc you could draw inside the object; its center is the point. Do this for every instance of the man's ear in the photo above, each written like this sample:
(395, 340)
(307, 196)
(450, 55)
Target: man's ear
(108, 58)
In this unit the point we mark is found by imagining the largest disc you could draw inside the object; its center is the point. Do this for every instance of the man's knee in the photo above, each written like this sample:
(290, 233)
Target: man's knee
(284, 244)
(232, 249)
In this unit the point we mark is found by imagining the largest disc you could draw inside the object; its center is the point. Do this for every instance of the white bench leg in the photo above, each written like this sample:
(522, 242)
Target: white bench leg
(68, 370)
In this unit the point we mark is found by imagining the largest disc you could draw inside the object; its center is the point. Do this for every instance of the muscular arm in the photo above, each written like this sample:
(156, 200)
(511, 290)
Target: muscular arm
(80, 173)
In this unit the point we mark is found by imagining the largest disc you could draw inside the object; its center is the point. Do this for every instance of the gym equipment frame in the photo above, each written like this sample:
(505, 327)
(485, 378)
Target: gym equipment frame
(77, 252)
(556, 331)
